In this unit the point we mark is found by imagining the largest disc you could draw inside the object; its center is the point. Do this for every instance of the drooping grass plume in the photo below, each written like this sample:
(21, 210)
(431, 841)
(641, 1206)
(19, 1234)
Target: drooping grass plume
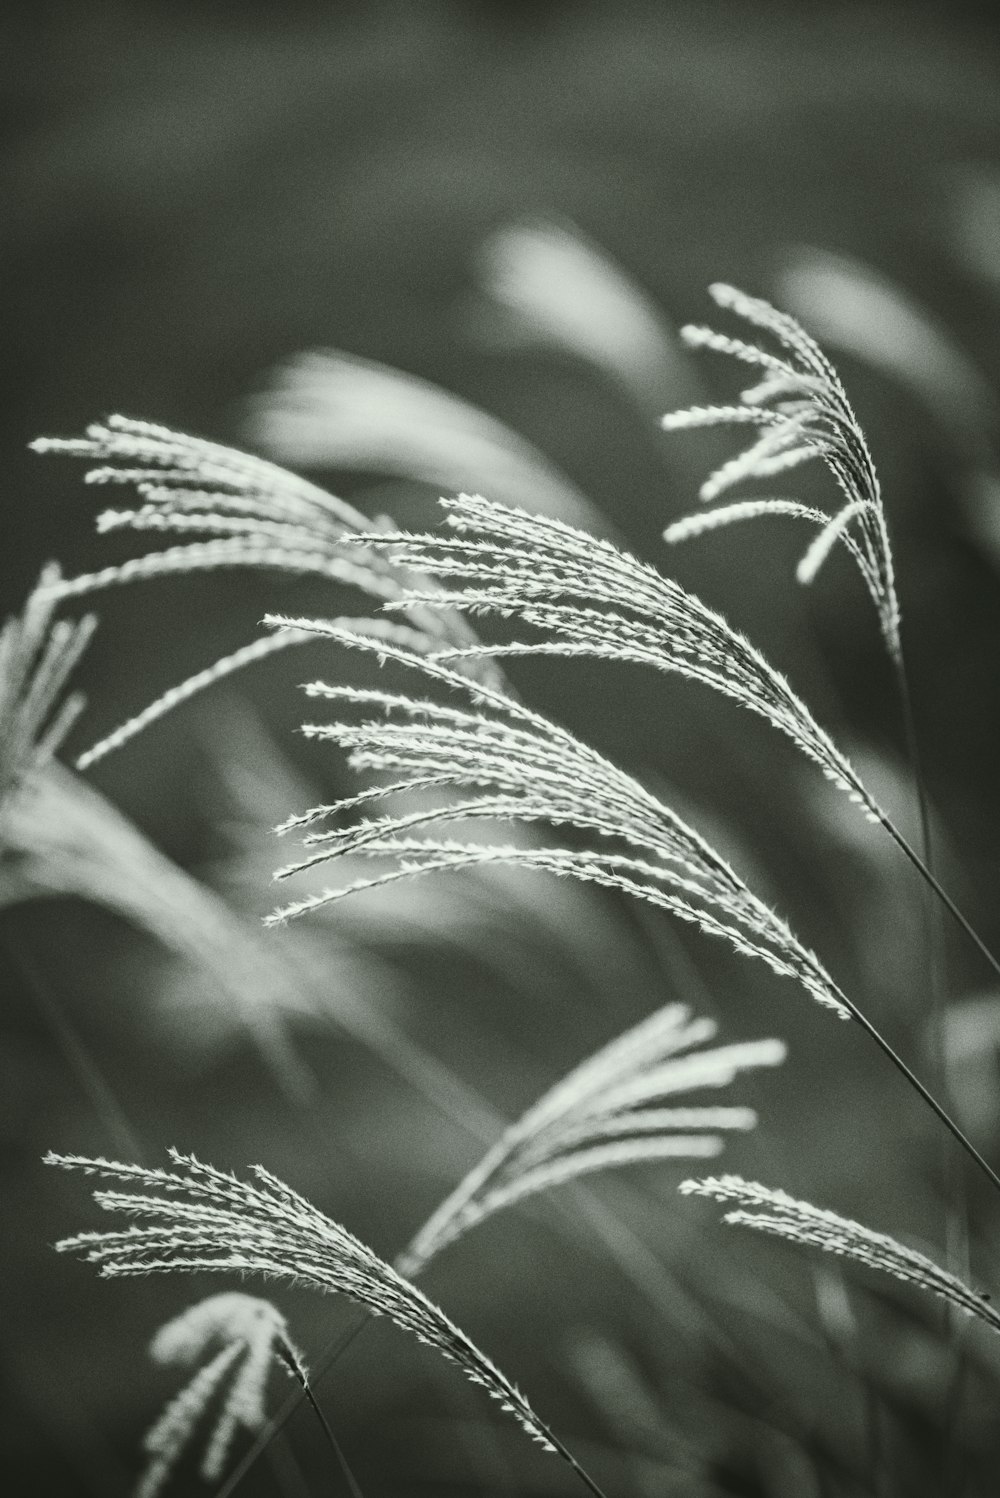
(195, 1218)
(587, 597)
(775, 1212)
(614, 1109)
(526, 769)
(531, 770)
(229, 1337)
(799, 410)
(329, 409)
(213, 507)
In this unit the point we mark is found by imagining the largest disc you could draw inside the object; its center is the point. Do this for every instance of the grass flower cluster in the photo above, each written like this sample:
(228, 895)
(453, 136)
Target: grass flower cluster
(457, 774)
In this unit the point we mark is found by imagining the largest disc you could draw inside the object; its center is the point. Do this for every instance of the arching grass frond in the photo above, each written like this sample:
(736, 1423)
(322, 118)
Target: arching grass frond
(775, 1212)
(803, 412)
(525, 768)
(587, 597)
(194, 1218)
(215, 507)
(614, 1109)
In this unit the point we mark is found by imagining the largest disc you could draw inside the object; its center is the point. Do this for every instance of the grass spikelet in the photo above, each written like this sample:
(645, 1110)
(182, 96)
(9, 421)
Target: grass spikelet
(231, 1335)
(614, 1109)
(194, 1218)
(775, 1212)
(804, 411)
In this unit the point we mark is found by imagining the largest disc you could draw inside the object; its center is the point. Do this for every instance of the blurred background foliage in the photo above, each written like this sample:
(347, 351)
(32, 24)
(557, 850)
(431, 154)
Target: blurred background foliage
(196, 194)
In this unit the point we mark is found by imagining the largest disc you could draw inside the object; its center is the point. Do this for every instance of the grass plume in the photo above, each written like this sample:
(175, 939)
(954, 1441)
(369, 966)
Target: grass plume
(799, 410)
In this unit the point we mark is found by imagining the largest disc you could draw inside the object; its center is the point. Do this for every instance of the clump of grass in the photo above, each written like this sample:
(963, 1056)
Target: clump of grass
(583, 597)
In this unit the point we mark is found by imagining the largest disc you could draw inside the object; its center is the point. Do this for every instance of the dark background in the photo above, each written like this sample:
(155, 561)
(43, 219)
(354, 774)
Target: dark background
(192, 193)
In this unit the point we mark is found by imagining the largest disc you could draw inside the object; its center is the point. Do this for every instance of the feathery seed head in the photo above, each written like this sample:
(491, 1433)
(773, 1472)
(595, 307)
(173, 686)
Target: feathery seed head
(525, 768)
(614, 1109)
(195, 1218)
(773, 1211)
(801, 410)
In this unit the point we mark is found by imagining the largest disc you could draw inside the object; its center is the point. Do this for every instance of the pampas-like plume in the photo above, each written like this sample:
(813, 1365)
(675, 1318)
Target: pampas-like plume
(610, 1111)
(774, 1211)
(253, 514)
(229, 1335)
(533, 771)
(590, 598)
(195, 1218)
(800, 410)
(528, 769)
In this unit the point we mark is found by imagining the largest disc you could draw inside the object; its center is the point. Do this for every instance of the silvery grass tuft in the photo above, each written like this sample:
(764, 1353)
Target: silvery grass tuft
(587, 597)
(800, 411)
(196, 1218)
(530, 769)
(242, 512)
(230, 1337)
(615, 1109)
(775, 1212)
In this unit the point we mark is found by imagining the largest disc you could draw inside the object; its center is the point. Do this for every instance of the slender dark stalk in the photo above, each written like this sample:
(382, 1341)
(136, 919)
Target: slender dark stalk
(287, 1409)
(918, 1086)
(298, 1372)
(940, 891)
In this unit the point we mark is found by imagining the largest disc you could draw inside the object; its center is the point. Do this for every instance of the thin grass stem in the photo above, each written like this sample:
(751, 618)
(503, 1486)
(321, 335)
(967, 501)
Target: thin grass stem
(299, 1374)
